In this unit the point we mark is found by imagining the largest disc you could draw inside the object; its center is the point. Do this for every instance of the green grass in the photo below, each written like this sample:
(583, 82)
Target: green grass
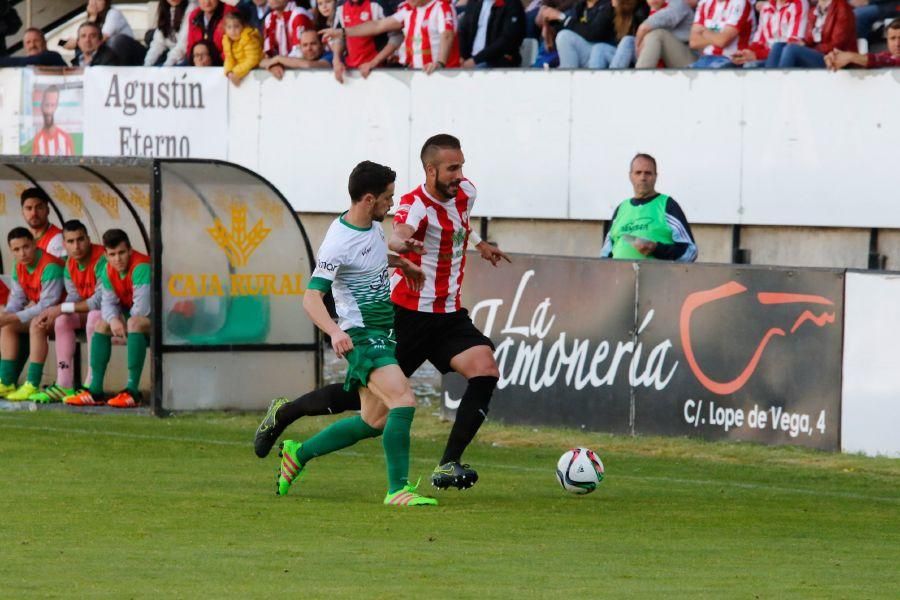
(124, 506)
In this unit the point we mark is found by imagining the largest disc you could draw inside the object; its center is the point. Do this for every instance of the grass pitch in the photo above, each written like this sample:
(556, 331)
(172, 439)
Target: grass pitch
(126, 507)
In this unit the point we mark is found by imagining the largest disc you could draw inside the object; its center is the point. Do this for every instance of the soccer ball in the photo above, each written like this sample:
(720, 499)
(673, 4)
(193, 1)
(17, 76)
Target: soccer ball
(579, 471)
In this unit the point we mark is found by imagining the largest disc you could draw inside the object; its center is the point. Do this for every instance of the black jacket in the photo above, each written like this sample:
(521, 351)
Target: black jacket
(505, 32)
(103, 58)
(595, 24)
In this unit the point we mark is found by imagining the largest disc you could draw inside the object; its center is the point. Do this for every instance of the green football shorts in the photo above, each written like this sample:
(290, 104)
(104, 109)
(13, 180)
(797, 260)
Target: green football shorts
(372, 349)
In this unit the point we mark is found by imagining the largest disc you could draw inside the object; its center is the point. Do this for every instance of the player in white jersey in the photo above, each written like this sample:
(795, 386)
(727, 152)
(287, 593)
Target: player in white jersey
(431, 229)
(353, 264)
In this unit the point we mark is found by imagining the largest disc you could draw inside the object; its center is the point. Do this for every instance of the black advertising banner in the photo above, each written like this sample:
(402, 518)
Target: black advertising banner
(715, 351)
(558, 325)
(759, 353)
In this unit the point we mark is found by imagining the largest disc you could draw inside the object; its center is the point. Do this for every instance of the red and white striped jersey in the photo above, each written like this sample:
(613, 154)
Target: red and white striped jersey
(53, 143)
(443, 227)
(779, 22)
(282, 29)
(422, 28)
(716, 15)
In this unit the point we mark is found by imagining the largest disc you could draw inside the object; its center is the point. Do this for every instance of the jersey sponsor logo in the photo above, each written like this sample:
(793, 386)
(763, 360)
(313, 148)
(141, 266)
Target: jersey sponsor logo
(383, 282)
(326, 266)
(366, 251)
(805, 313)
(640, 224)
(458, 237)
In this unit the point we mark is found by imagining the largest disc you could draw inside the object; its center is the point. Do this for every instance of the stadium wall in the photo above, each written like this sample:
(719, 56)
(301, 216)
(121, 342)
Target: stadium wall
(758, 160)
(870, 417)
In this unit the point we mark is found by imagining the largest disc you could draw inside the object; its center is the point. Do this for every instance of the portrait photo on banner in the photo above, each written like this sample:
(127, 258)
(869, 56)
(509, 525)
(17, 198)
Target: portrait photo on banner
(52, 117)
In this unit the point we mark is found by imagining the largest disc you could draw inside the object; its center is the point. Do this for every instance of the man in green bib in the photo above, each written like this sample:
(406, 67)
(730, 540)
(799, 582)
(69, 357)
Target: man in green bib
(650, 225)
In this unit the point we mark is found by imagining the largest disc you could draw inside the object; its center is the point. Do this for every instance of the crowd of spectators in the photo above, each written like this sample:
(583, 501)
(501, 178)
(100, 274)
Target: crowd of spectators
(278, 35)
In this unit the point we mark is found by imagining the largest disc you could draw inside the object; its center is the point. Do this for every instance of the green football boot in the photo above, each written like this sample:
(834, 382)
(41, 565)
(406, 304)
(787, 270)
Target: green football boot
(268, 431)
(51, 394)
(407, 496)
(291, 470)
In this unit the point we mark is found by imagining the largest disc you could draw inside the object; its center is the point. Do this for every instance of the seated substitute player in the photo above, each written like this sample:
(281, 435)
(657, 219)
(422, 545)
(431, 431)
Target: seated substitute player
(125, 313)
(84, 267)
(431, 229)
(353, 264)
(36, 212)
(37, 284)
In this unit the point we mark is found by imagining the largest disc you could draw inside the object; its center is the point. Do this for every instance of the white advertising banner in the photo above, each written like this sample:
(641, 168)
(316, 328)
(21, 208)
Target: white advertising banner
(156, 113)
(870, 409)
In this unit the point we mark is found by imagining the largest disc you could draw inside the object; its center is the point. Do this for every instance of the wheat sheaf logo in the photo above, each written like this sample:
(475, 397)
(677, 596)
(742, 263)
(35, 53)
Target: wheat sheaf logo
(238, 243)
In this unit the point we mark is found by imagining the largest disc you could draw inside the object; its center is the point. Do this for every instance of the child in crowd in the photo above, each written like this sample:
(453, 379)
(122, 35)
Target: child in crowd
(241, 46)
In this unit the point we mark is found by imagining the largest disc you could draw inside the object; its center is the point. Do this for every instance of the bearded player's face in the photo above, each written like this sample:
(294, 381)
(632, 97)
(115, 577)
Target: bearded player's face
(383, 203)
(449, 172)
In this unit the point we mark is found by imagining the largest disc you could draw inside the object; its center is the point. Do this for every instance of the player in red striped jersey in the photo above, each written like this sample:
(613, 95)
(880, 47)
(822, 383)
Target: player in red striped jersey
(51, 140)
(431, 229)
(429, 27)
(36, 212)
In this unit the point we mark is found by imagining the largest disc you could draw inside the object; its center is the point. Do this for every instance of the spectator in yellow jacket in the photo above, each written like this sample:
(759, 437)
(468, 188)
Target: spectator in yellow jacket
(241, 46)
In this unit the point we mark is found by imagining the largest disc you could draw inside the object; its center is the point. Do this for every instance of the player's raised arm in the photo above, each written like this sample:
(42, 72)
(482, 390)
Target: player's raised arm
(402, 240)
(368, 29)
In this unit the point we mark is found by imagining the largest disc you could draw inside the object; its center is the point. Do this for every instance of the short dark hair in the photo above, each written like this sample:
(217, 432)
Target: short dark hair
(645, 157)
(895, 24)
(441, 141)
(236, 15)
(113, 237)
(35, 30)
(18, 233)
(52, 88)
(73, 225)
(35, 192)
(369, 178)
(89, 24)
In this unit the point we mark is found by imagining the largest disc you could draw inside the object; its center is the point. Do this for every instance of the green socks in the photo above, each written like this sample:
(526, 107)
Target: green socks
(339, 434)
(8, 371)
(137, 351)
(101, 350)
(396, 446)
(35, 372)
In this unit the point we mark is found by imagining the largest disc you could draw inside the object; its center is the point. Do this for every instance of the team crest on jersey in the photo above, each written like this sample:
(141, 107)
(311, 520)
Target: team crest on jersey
(364, 16)
(459, 236)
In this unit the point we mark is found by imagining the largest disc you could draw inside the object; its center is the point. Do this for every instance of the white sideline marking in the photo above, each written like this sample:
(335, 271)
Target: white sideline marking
(673, 480)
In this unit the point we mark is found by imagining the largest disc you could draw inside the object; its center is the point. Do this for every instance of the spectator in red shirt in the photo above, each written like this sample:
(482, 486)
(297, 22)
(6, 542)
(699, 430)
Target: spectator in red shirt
(721, 28)
(831, 27)
(838, 59)
(363, 53)
(283, 26)
(430, 41)
(205, 23)
(779, 21)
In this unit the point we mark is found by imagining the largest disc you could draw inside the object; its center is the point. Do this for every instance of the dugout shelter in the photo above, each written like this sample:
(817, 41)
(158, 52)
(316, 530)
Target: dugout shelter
(230, 260)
